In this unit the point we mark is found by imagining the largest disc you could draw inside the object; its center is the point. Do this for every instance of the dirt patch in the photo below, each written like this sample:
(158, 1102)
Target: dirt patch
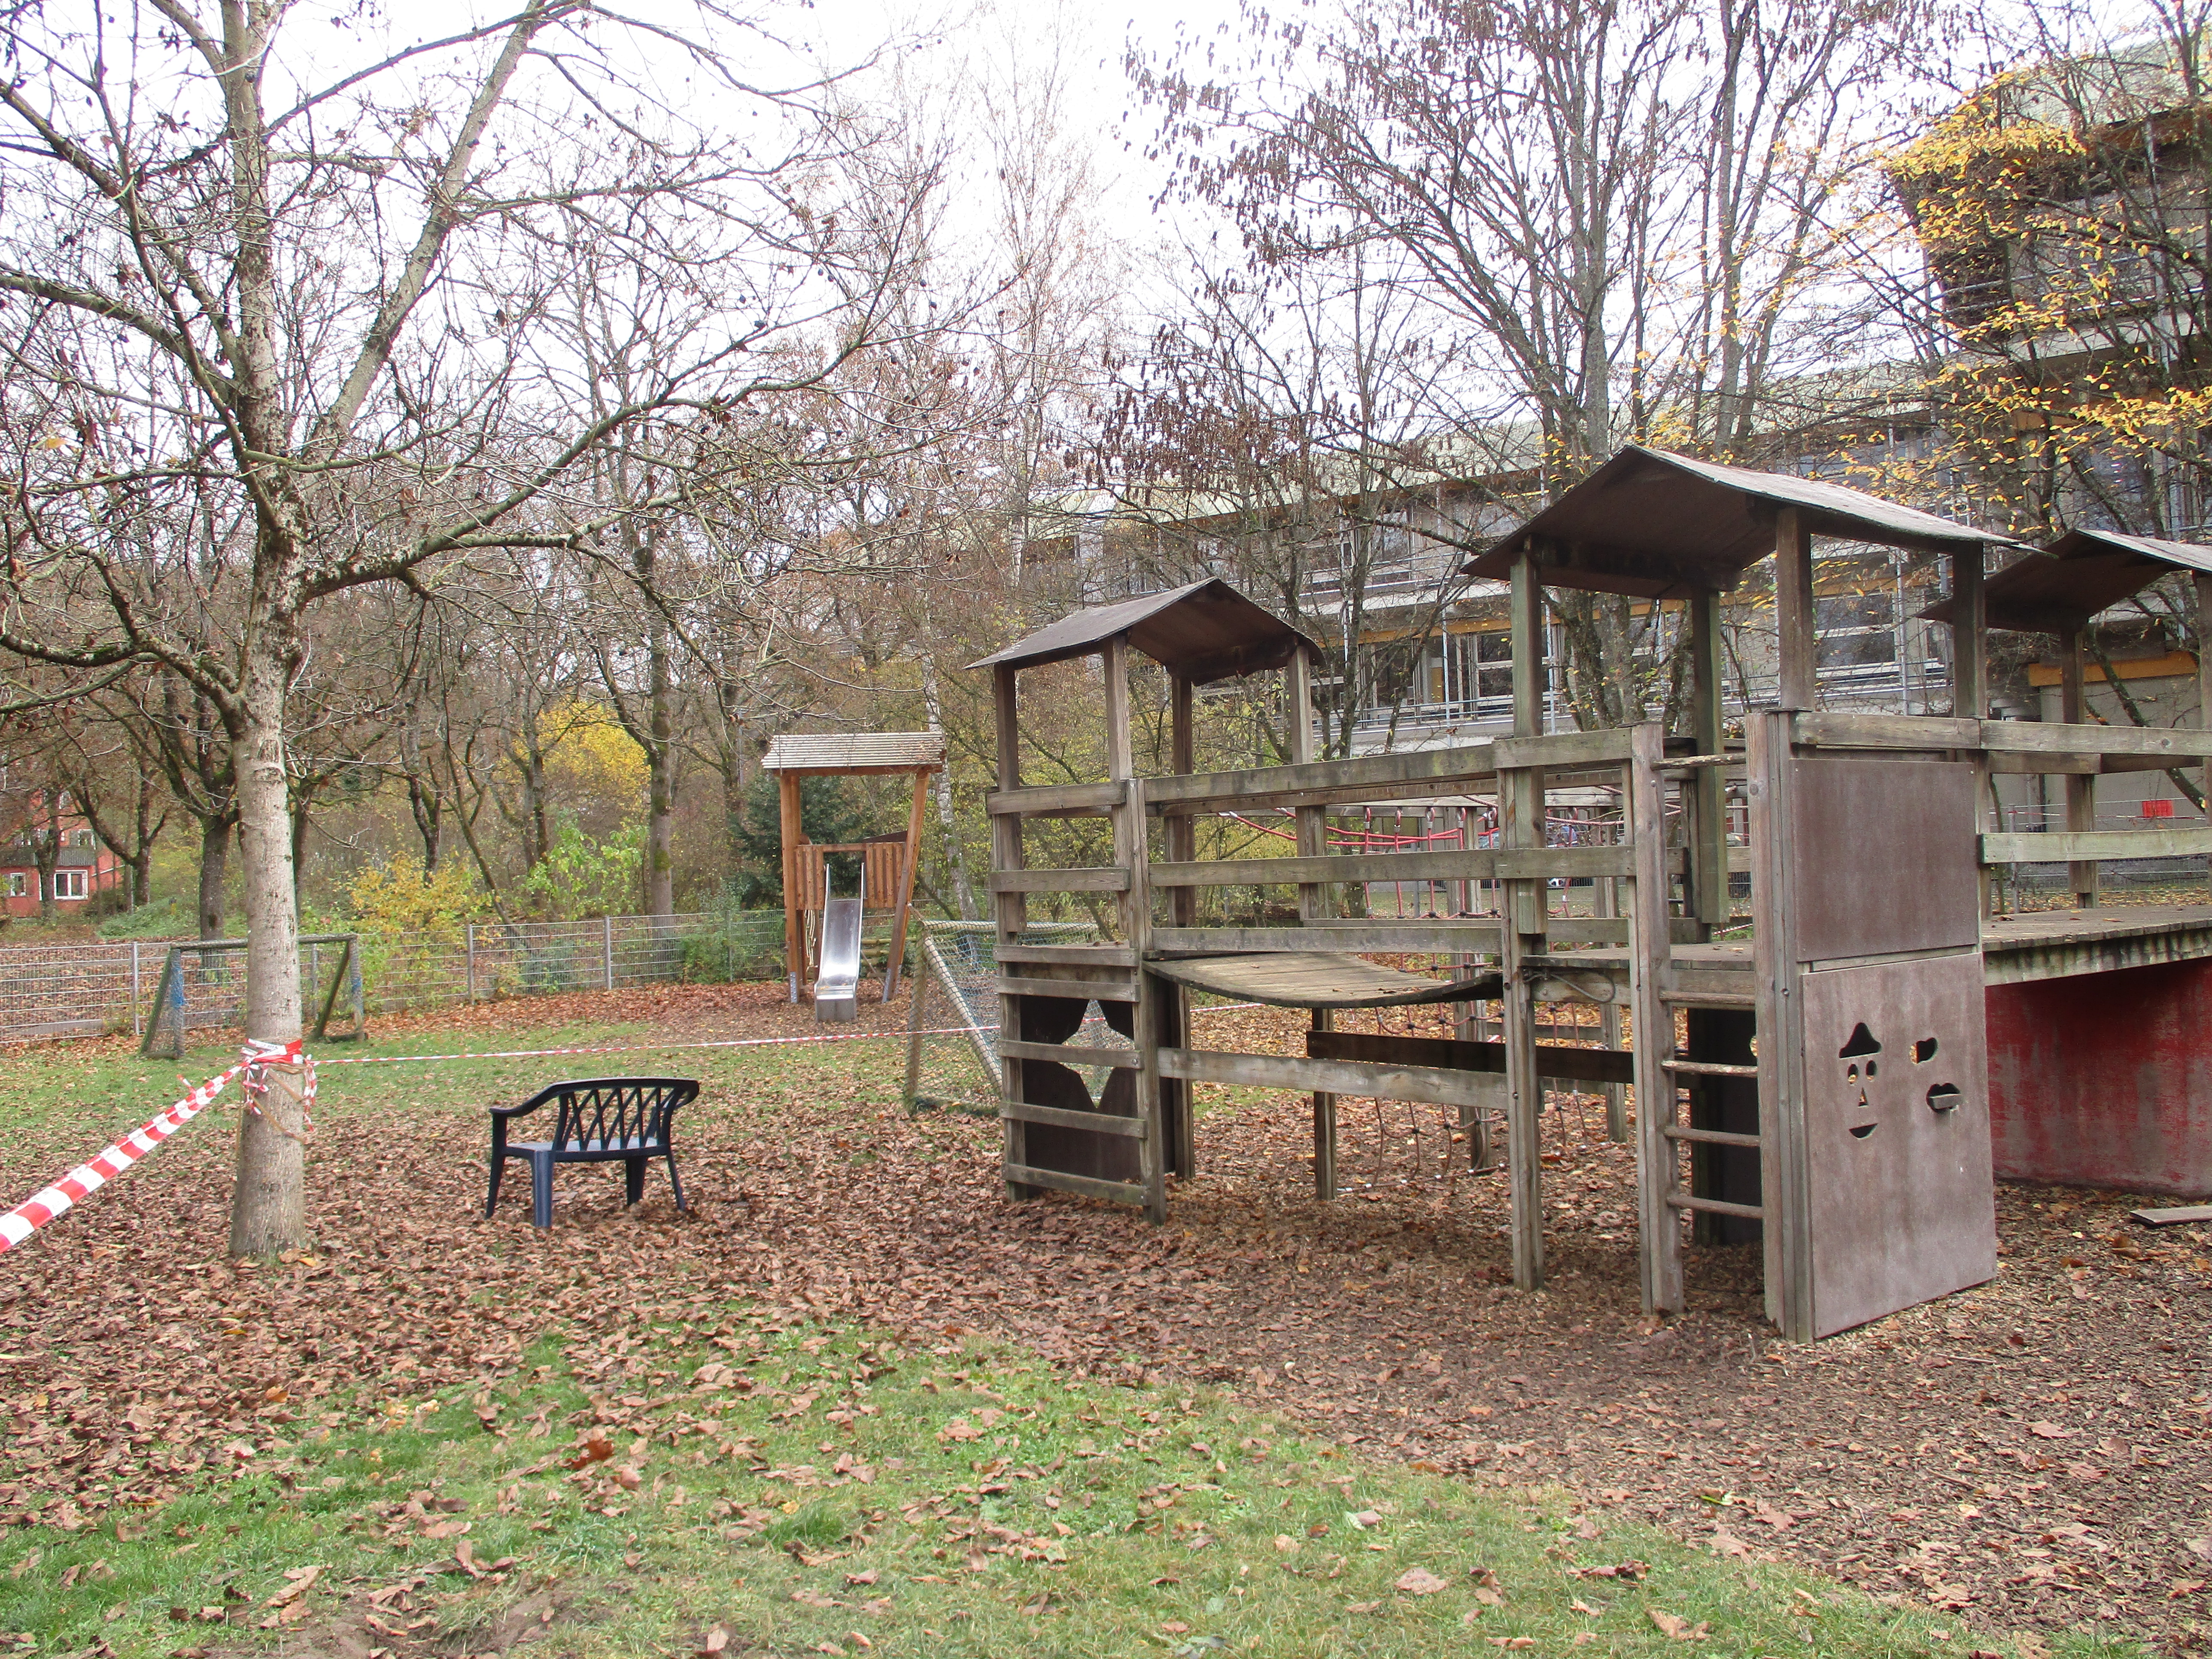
(2037, 1451)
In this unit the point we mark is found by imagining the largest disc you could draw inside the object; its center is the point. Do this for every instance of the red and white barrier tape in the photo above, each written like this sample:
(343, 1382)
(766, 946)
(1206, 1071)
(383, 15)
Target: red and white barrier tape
(88, 1177)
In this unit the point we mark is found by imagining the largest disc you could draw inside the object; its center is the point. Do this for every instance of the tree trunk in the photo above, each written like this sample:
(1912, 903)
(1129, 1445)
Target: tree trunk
(141, 856)
(955, 853)
(268, 1207)
(215, 871)
(46, 854)
(660, 787)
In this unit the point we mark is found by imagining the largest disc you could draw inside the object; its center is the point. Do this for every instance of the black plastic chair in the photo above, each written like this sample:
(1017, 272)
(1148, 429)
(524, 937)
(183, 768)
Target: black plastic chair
(601, 1120)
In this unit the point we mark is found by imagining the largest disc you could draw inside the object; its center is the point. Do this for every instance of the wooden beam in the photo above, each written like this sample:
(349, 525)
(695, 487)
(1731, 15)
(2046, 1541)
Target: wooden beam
(1708, 792)
(1071, 956)
(1097, 1123)
(1355, 937)
(1970, 635)
(1028, 1178)
(916, 815)
(794, 929)
(1014, 985)
(1784, 1165)
(2204, 585)
(1055, 797)
(1657, 1168)
(1090, 878)
(2081, 789)
(1324, 1111)
(1795, 618)
(1432, 1084)
(1009, 915)
(1529, 680)
(1069, 1054)
(2078, 845)
(1486, 864)
(1557, 1061)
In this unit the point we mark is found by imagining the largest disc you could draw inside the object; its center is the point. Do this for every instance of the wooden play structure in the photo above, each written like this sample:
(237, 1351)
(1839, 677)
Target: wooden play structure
(1824, 1087)
(887, 861)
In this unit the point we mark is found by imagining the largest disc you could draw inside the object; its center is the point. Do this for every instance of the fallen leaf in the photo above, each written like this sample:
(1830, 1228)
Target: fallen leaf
(1419, 1581)
(1673, 1625)
(1361, 1606)
(2051, 1431)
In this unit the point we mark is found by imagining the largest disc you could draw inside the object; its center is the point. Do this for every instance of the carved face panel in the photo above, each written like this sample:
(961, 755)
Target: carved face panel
(1897, 1136)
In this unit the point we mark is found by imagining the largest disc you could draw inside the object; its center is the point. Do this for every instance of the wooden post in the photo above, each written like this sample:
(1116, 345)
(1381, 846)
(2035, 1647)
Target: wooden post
(1785, 1194)
(1708, 876)
(794, 933)
(1969, 636)
(1795, 618)
(2203, 583)
(1313, 897)
(1324, 1124)
(2081, 789)
(1658, 1166)
(1180, 838)
(1009, 911)
(1607, 903)
(913, 821)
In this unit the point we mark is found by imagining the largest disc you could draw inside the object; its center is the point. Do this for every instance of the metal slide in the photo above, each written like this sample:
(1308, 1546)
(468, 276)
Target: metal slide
(836, 987)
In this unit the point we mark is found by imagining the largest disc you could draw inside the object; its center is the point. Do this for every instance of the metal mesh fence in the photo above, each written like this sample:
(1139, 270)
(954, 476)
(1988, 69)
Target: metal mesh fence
(953, 1052)
(84, 989)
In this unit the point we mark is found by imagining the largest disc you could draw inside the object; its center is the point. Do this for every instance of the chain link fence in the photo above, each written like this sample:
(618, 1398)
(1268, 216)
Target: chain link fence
(94, 987)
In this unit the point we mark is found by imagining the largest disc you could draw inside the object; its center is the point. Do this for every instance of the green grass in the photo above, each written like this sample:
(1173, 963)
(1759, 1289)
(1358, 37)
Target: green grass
(964, 1500)
(988, 1507)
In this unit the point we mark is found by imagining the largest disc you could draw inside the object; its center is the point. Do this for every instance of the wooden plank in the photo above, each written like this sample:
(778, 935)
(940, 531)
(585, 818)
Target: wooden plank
(1920, 732)
(1588, 930)
(2053, 736)
(1716, 1207)
(1114, 1192)
(1468, 763)
(1708, 1137)
(1798, 644)
(1097, 1123)
(1657, 1167)
(1297, 1071)
(1784, 1165)
(1557, 1061)
(2056, 847)
(1557, 750)
(1069, 1054)
(1102, 990)
(1061, 879)
(1355, 937)
(1071, 956)
(2173, 1215)
(1054, 798)
(1565, 863)
(1327, 867)
(1009, 912)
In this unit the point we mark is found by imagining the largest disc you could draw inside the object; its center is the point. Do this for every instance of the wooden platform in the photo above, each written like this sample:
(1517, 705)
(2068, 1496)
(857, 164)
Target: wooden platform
(2054, 944)
(1318, 978)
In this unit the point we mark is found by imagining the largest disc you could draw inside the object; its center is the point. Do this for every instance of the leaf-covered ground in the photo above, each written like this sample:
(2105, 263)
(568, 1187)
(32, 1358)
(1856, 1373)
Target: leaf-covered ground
(2035, 1453)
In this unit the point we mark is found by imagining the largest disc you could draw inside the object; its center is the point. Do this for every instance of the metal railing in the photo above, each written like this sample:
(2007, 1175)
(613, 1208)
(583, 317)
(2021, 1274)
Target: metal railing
(94, 987)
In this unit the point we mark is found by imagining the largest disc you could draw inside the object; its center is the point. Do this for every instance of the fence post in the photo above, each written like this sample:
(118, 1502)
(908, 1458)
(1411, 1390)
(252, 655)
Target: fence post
(471, 969)
(608, 924)
(137, 1012)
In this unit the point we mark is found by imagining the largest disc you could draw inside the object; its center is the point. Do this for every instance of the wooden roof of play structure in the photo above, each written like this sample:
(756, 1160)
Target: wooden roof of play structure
(1206, 631)
(1655, 525)
(2082, 572)
(851, 754)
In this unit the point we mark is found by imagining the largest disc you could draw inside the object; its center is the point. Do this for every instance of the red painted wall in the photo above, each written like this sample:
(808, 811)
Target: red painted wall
(2105, 1079)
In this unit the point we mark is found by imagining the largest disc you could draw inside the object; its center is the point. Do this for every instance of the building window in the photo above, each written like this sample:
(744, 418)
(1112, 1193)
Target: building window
(69, 884)
(80, 838)
(19, 885)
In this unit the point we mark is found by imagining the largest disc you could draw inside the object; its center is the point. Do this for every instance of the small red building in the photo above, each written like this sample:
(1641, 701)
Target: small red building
(82, 867)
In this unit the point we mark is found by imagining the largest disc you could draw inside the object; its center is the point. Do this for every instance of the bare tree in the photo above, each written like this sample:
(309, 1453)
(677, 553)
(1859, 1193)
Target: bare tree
(312, 292)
